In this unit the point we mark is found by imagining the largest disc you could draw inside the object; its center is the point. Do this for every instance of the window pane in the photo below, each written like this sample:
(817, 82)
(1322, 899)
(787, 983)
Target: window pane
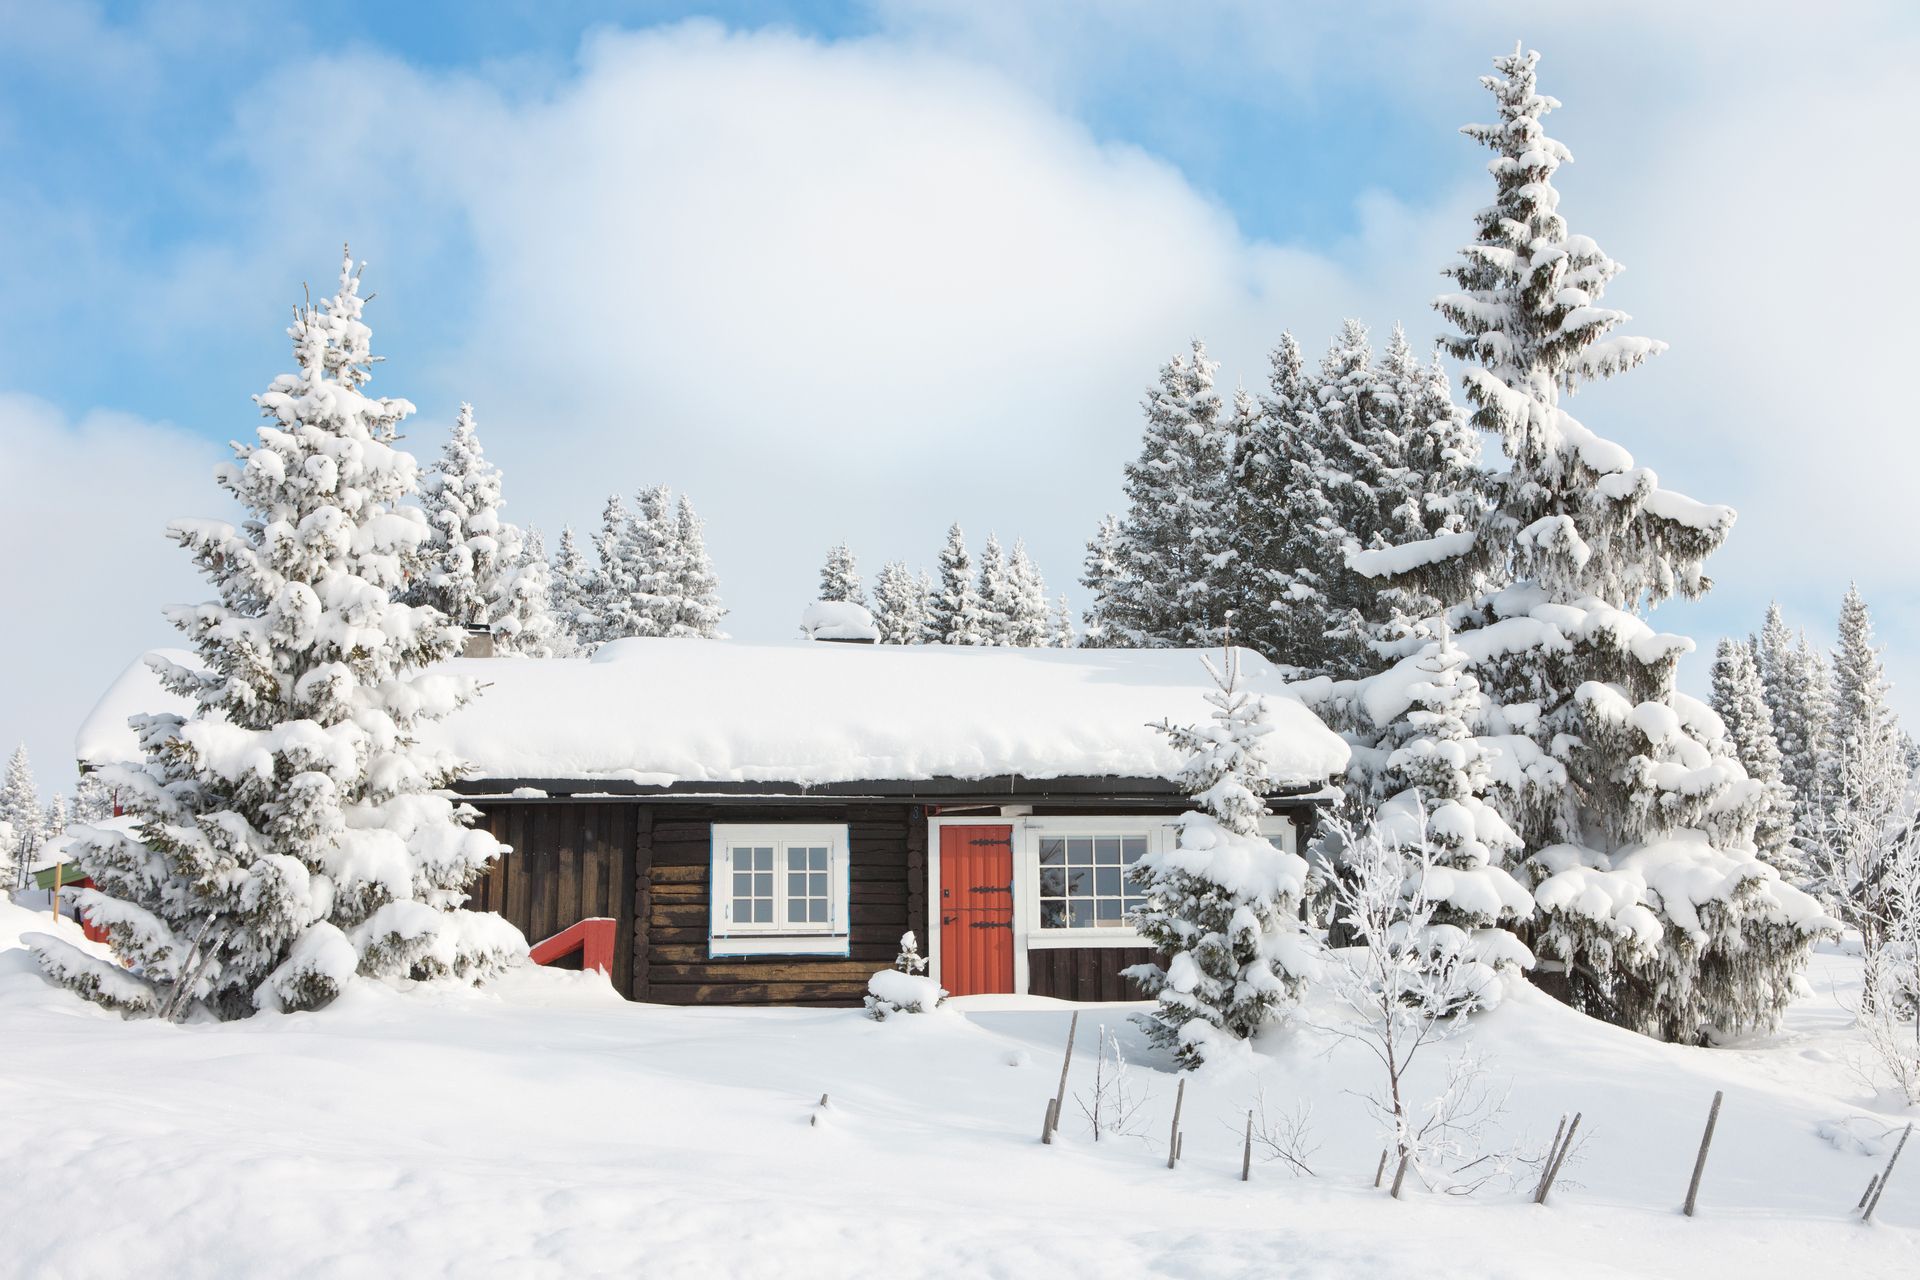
(1053, 851)
(743, 883)
(763, 859)
(1079, 881)
(818, 884)
(1053, 881)
(763, 884)
(797, 911)
(1106, 849)
(796, 884)
(1079, 913)
(1053, 914)
(818, 859)
(743, 910)
(796, 859)
(818, 910)
(1135, 848)
(1080, 852)
(1109, 910)
(763, 911)
(1107, 881)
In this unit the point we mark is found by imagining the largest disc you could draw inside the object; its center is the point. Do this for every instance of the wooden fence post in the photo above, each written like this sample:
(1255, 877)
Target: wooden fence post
(1400, 1174)
(1380, 1170)
(1246, 1152)
(1553, 1168)
(1173, 1138)
(1885, 1174)
(1700, 1161)
(1060, 1097)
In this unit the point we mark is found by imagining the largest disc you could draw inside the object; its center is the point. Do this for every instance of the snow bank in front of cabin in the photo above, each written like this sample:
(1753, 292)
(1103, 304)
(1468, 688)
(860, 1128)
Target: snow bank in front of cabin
(541, 1127)
(692, 711)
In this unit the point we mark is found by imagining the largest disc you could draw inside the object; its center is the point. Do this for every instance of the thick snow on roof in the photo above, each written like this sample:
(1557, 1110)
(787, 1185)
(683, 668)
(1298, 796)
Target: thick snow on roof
(691, 711)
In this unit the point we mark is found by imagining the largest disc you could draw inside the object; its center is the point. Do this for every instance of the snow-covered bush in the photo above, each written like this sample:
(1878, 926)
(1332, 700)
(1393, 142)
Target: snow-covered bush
(905, 988)
(289, 833)
(1407, 982)
(1223, 905)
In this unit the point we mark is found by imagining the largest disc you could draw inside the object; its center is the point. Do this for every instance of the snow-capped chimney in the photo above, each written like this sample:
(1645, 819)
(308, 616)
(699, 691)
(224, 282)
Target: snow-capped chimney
(840, 621)
(479, 642)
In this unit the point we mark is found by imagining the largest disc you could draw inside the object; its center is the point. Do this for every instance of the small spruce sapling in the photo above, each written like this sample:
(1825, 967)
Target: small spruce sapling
(905, 988)
(1223, 906)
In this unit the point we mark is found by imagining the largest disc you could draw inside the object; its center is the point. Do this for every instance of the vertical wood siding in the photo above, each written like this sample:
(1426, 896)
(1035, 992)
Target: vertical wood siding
(569, 862)
(1085, 973)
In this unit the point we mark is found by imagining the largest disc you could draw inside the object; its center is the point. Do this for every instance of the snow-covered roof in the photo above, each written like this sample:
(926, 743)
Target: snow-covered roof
(662, 712)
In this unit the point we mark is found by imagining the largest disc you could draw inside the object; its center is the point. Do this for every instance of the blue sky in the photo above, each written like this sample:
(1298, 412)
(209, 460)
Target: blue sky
(857, 271)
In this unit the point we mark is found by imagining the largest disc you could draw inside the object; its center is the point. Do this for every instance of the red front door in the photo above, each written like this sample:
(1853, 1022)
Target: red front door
(976, 910)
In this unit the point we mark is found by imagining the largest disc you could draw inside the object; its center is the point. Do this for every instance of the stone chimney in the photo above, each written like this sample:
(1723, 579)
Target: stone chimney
(479, 642)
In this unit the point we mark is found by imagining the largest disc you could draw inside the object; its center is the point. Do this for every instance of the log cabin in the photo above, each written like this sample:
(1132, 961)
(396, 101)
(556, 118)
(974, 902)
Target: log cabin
(763, 822)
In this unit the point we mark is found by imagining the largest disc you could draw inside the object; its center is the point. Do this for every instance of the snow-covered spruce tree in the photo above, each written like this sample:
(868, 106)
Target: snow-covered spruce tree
(1650, 894)
(996, 594)
(1865, 779)
(955, 614)
(692, 586)
(1100, 575)
(1223, 904)
(461, 496)
(1175, 576)
(55, 822)
(570, 594)
(1027, 622)
(1431, 805)
(840, 577)
(288, 832)
(610, 610)
(899, 605)
(654, 551)
(20, 810)
(1797, 699)
(1269, 508)
(92, 800)
(1740, 699)
(521, 599)
(1060, 630)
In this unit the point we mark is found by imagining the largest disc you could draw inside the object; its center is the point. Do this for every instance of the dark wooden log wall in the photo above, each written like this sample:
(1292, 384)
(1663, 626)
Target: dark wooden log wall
(569, 862)
(887, 887)
(1084, 973)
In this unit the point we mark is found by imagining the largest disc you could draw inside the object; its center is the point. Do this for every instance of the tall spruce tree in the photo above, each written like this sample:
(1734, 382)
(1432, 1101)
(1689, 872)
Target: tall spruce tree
(653, 541)
(996, 594)
(570, 595)
(1174, 552)
(613, 588)
(288, 832)
(1060, 630)
(1100, 574)
(522, 599)
(1649, 897)
(692, 586)
(954, 612)
(461, 497)
(1797, 702)
(899, 605)
(92, 799)
(20, 810)
(1222, 906)
(1027, 622)
(840, 577)
(1740, 697)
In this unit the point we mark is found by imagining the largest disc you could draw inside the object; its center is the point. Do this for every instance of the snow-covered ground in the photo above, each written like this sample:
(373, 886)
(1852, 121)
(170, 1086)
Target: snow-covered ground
(545, 1128)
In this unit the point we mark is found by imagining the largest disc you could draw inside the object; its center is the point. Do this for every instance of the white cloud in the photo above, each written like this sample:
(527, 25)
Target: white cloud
(82, 507)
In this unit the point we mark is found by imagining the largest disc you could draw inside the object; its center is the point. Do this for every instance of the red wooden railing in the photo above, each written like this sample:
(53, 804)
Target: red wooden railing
(592, 938)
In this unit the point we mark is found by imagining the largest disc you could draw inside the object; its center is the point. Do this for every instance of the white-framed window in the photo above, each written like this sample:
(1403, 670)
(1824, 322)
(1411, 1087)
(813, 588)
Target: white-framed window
(1078, 874)
(779, 888)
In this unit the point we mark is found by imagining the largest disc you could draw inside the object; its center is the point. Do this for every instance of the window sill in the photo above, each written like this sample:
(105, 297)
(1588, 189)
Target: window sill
(835, 944)
(1053, 939)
